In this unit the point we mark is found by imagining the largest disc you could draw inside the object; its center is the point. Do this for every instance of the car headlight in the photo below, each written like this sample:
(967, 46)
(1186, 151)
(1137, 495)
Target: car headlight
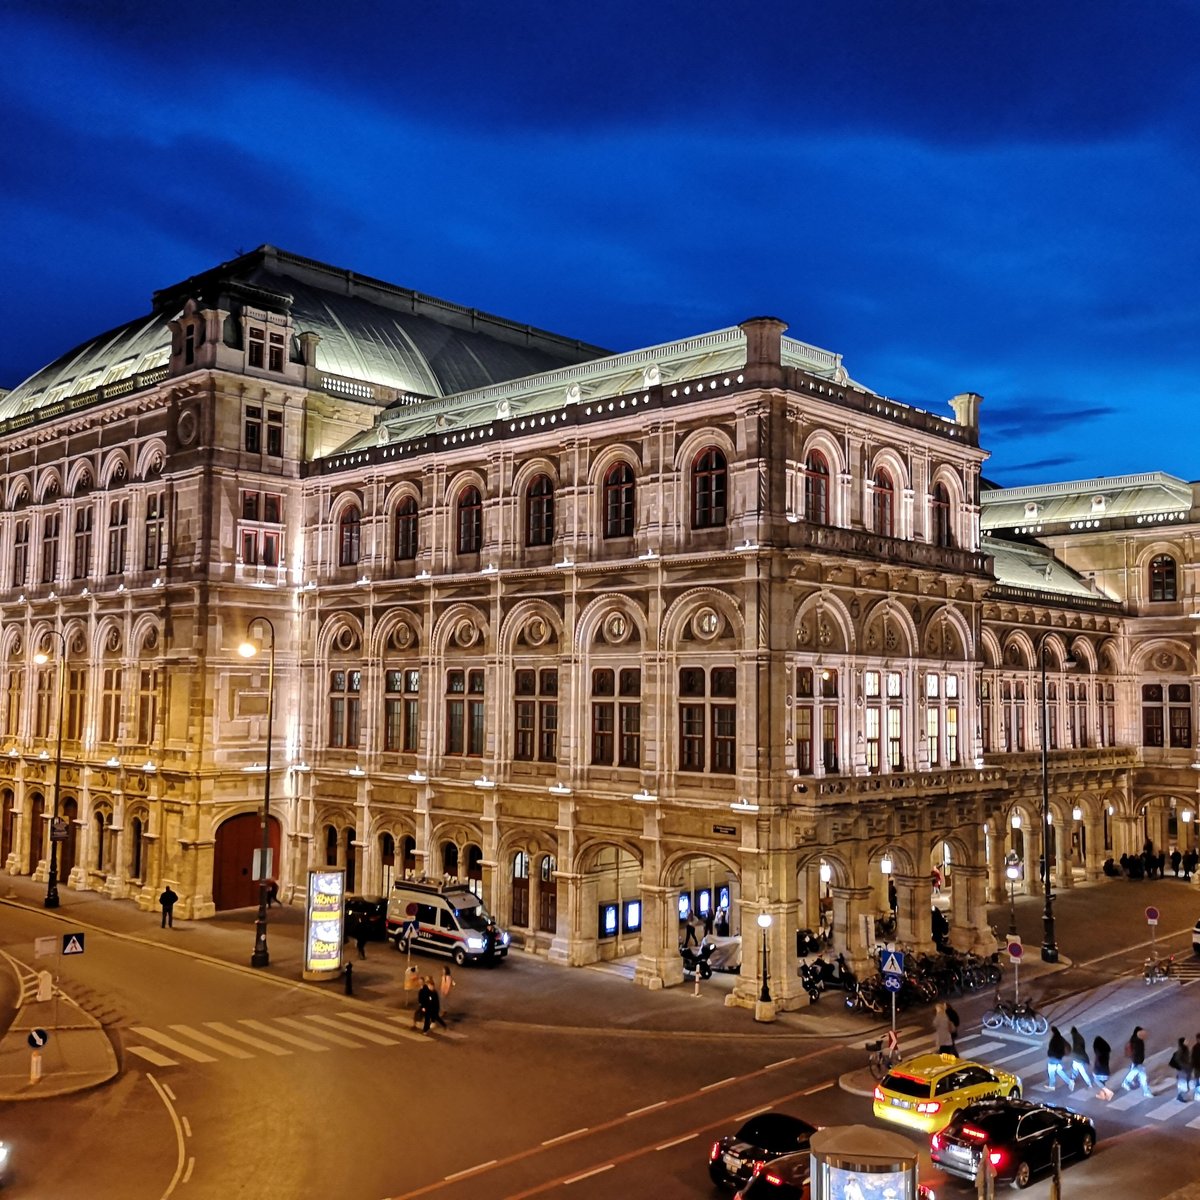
(474, 943)
(3, 1155)
(504, 939)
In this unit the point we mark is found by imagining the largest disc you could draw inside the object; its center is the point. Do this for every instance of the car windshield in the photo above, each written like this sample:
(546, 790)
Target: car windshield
(906, 1085)
(774, 1131)
(469, 910)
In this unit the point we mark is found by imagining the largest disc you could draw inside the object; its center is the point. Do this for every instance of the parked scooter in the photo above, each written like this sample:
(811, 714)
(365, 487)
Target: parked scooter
(695, 961)
(810, 980)
(836, 974)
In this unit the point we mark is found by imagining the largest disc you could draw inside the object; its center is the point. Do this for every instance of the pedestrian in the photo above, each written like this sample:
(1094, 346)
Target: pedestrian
(420, 1013)
(1190, 859)
(167, 903)
(1135, 1049)
(431, 1005)
(1101, 1056)
(1181, 1064)
(1176, 859)
(708, 923)
(1079, 1058)
(1196, 1068)
(943, 1031)
(935, 878)
(1056, 1051)
(445, 987)
(272, 893)
(952, 1015)
(360, 941)
(490, 934)
(893, 898)
(690, 937)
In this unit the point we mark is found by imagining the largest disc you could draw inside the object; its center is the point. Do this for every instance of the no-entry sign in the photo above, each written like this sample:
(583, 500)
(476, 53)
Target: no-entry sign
(1151, 915)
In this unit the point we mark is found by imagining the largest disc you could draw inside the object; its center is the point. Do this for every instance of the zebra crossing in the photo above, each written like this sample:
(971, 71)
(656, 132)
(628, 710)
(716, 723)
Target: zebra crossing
(249, 1038)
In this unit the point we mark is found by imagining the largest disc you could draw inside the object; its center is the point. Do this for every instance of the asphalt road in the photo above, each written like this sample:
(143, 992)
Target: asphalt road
(239, 1083)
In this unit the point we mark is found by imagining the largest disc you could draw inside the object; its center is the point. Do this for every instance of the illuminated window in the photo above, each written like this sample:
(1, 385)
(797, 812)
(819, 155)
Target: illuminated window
(883, 504)
(816, 489)
(939, 511)
(50, 527)
(708, 720)
(1162, 578)
(710, 478)
(118, 534)
(406, 529)
(154, 544)
(349, 537)
(82, 557)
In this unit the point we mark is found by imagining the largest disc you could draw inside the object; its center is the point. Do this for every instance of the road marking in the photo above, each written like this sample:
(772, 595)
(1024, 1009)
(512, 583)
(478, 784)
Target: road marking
(1163, 1111)
(1131, 1097)
(999, 1062)
(172, 1044)
(1194, 1124)
(986, 1047)
(754, 1112)
(491, 1162)
(819, 1088)
(158, 1087)
(333, 1023)
(211, 1042)
(637, 1112)
(170, 1094)
(190, 1167)
(153, 1057)
(708, 1087)
(783, 1062)
(187, 1127)
(374, 1024)
(588, 1174)
(257, 1043)
(562, 1137)
(687, 1137)
(290, 1038)
(294, 1023)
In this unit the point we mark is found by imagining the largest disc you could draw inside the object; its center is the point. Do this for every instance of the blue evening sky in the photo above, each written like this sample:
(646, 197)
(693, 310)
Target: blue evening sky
(955, 195)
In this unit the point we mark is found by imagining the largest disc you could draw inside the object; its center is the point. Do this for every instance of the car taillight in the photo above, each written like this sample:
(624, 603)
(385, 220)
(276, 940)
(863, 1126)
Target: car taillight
(928, 1107)
(771, 1177)
(715, 1152)
(995, 1157)
(935, 1143)
(878, 1092)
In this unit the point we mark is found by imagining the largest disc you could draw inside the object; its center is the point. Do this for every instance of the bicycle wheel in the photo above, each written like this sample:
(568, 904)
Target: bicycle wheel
(1025, 1023)
(1040, 1024)
(993, 1019)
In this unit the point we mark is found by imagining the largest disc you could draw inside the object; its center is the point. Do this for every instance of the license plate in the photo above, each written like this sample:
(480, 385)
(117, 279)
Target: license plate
(901, 1103)
(732, 1163)
(958, 1152)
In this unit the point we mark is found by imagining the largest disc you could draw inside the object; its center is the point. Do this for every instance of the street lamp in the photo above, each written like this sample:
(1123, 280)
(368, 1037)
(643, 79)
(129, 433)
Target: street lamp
(41, 659)
(764, 923)
(1049, 945)
(248, 649)
(1012, 869)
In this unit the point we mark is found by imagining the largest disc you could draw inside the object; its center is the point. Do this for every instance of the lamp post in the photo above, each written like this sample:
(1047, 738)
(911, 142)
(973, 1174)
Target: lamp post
(248, 649)
(41, 659)
(764, 923)
(1012, 870)
(1049, 945)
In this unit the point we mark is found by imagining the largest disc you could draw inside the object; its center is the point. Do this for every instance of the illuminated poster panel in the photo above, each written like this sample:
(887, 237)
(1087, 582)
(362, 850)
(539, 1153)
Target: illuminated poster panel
(324, 922)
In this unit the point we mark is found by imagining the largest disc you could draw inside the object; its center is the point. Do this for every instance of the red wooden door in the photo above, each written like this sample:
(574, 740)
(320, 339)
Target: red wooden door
(233, 860)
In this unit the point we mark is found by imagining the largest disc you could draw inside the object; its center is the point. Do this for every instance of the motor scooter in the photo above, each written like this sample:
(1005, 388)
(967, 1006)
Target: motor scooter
(695, 960)
(810, 980)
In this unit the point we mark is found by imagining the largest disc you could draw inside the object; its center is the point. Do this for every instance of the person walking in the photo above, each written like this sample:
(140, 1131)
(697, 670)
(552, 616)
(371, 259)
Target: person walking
(952, 1016)
(445, 987)
(1079, 1058)
(360, 941)
(1101, 1055)
(943, 1031)
(1196, 1068)
(432, 1004)
(1136, 1049)
(1181, 1063)
(167, 903)
(1176, 859)
(689, 936)
(1056, 1051)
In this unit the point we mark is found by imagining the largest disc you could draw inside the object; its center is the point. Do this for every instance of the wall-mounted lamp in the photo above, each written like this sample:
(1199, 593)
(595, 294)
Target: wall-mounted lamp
(826, 872)
(356, 771)
(559, 789)
(1077, 813)
(485, 783)
(645, 797)
(1016, 820)
(885, 864)
(418, 777)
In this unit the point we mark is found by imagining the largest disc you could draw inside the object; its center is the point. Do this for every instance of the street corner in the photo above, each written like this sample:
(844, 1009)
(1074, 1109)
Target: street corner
(859, 1082)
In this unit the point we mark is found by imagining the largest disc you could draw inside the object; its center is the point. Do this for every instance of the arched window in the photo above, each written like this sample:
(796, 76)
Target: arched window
(520, 889)
(547, 896)
(939, 512)
(618, 501)
(710, 481)
(331, 846)
(406, 529)
(1162, 577)
(539, 512)
(883, 504)
(816, 489)
(135, 848)
(470, 521)
(349, 537)
(408, 855)
(450, 859)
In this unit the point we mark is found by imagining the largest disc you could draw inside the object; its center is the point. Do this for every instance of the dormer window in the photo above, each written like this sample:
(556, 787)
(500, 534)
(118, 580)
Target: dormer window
(189, 345)
(1031, 511)
(1099, 504)
(275, 358)
(255, 347)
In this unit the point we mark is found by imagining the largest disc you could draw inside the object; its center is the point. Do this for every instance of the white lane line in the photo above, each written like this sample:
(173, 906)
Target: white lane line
(1163, 1111)
(290, 1038)
(588, 1174)
(334, 1023)
(819, 1088)
(783, 1062)
(178, 1137)
(491, 1162)
(206, 1039)
(754, 1112)
(187, 1127)
(153, 1057)
(170, 1094)
(986, 1048)
(999, 1062)
(238, 1035)
(687, 1137)
(190, 1167)
(386, 1026)
(172, 1045)
(708, 1087)
(293, 1023)
(1194, 1124)
(637, 1112)
(1131, 1097)
(562, 1137)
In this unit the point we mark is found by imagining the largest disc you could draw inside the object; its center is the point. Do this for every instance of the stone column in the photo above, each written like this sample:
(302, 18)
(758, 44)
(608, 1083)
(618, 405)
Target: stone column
(853, 927)
(1064, 875)
(914, 898)
(971, 929)
(659, 964)
(1093, 860)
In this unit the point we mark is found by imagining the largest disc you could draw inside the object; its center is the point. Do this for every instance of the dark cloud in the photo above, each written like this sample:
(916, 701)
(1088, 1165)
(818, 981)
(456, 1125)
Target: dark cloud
(1037, 416)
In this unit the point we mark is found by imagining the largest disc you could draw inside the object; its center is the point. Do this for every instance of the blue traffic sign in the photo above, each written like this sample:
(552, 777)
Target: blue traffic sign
(38, 1038)
(892, 963)
(893, 983)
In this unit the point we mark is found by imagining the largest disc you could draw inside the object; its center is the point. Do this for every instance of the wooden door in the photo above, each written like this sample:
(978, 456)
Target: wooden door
(233, 860)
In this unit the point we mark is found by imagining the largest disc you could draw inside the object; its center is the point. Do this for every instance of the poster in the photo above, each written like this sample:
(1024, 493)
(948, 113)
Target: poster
(324, 927)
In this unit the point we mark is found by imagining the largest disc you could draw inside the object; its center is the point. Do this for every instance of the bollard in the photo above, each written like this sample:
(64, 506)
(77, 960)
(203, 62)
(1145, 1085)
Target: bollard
(35, 1066)
(349, 979)
(696, 989)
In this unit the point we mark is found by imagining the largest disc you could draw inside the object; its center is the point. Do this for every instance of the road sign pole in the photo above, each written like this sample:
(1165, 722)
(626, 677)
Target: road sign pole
(893, 1014)
(35, 1066)
(1017, 981)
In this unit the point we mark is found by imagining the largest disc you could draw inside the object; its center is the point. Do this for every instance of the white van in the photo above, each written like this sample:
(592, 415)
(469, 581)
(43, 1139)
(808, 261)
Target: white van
(443, 919)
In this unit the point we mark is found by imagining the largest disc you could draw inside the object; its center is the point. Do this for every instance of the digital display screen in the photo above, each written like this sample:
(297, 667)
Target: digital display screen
(685, 905)
(704, 902)
(723, 898)
(609, 915)
(325, 918)
(841, 1183)
(633, 916)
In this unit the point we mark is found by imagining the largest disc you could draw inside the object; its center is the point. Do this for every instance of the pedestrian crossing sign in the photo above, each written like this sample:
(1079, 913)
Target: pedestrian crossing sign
(72, 943)
(892, 963)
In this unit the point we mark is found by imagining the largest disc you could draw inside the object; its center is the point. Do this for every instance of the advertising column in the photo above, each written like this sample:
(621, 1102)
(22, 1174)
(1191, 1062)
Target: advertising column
(324, 923)
(858, 1162)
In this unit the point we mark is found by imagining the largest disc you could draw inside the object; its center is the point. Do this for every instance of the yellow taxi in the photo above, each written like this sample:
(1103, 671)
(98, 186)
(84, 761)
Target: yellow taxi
(925, 1092)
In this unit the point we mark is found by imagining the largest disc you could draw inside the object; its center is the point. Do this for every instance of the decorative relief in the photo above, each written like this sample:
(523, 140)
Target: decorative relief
(890, 640)
(186, 426)
(537, 631)
(402, 636)
(150, 640)
(113, 641)
(465, 633)
(345, 639)
(707, 624)
(803, 634)
(616, 628)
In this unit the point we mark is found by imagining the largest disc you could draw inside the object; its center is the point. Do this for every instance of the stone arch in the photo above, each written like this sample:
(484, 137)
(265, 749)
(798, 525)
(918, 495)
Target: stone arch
(989, 645)
(521, 621)
(950, 479)
(80, 478)
(823, 625)
(145, 637)
(1018, 651)
(590, 849)
(151, 459)
(591, 622)
(1084, 653)
(1109, 657)
(903, 862)
(49, 486)
(888, 459)
(465, 478)
(693, 443)
(825, 443)
(401, 490)
(529, 470)
(115, 468)
(453, 624)
(607, 457)
(953, 642)
(674, 622)
(888, 630)
(18, 492)
(341, 501)
(1162, 656)
(341, 633)
(108, 639)
(397, 631)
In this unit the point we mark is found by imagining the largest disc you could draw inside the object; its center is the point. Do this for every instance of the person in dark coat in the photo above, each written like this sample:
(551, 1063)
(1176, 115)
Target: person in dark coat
(1196, 1068)
(1056, 1051)
(167, 903)
(1079, 1058)
(1101, 1068)
(430, 1003)
(1136, 1050)
(1181, 1064)
(1176, 859)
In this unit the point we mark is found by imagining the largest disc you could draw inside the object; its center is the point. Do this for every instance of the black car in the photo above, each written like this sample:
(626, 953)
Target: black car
(1018, 1137)
(764, 1137)
(366, 914)
(785, 1178)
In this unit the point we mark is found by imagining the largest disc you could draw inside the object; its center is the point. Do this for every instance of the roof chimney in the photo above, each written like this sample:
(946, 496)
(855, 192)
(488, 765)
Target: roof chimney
(764, 349)
(966, 409)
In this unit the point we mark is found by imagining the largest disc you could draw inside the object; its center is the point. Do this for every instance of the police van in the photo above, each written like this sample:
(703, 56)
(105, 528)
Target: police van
(443, 919)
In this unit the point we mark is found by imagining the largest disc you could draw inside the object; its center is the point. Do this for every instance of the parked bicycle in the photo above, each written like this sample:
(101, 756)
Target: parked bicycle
(879, 1060)
(1158, 970)
(1019, 1015)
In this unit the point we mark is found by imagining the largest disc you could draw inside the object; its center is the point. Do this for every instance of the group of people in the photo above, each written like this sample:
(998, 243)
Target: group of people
(1149, 865)
(432, 999)
(1069, 1061)
(692, 925)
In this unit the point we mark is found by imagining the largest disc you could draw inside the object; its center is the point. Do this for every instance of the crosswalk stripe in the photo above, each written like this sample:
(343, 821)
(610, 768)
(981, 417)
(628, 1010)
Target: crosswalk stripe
(986, 1047)
(378, 1039)
(257, 1043)
(152, 1056)
(1163, 1111)
(293, 1023)
(999, 1062)
(1128, 1100)
(206, 1039)
(290, 1038)
(385, 1026)
(173, 1045)
(1194, 1124)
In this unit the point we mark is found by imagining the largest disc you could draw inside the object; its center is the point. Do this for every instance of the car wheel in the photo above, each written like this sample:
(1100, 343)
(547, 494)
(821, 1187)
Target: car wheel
(1023, 1176)
(1087, 1143)
(1014, 1093)
(459, 956)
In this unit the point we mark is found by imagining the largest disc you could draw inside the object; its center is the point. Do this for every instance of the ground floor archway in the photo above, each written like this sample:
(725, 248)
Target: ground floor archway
(236, 841)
